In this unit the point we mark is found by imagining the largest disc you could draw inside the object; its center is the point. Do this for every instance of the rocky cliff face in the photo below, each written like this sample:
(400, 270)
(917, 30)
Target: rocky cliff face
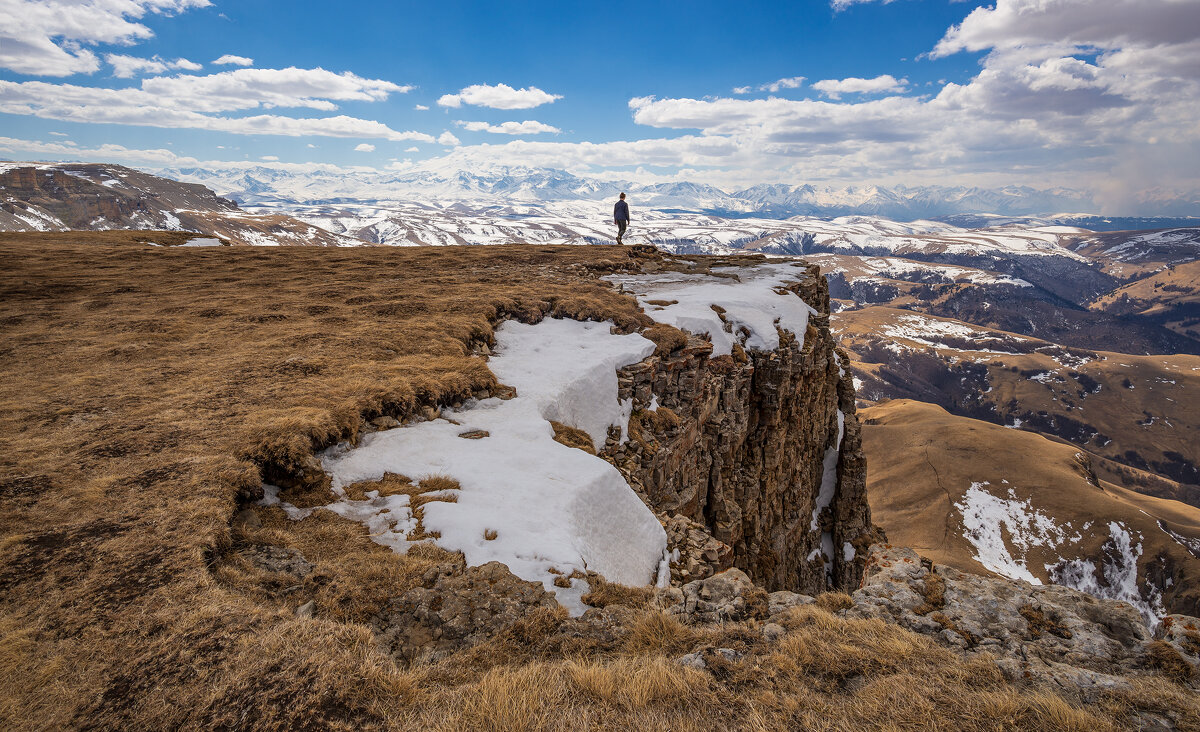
(732, 452)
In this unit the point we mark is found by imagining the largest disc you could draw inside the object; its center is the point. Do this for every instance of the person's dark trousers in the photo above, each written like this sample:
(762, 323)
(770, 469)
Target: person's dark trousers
(621, 229)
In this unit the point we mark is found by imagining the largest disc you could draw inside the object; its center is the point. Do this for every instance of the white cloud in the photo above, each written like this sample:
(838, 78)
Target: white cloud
(840, 5)
(69, 150)
(364, 147)
(1100, 23)
(835, 88)
(311, 146)
(125, 67)
(51, 37)
(414, 148)
(500, 96)
(448, 139)
(290, 87)
(791, 83)
(196, 101)
(528, 127)
(421, 108)
(270, 158)
(794, 82)
(60, 134)
(231, 60)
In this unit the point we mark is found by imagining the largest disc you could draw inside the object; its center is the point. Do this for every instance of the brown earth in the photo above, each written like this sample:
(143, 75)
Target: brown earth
(147, 389)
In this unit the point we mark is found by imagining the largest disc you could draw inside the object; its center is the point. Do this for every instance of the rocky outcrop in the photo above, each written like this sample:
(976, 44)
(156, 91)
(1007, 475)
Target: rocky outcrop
(92, 196)
(1047, 633)
(737, 444)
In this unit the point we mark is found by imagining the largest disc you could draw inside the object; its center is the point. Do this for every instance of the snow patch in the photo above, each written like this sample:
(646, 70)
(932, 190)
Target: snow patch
(986, 518)
(1119, 574)
(548, 506)
(754, 305)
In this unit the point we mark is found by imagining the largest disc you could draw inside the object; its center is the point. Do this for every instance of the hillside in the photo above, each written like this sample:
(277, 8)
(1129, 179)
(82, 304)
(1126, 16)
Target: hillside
(89, 196)
(1135, 410)
(980, 497)
(150, 579)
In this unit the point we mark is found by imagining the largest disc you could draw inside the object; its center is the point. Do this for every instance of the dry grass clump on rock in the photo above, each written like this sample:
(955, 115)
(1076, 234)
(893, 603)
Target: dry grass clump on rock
(667, 338)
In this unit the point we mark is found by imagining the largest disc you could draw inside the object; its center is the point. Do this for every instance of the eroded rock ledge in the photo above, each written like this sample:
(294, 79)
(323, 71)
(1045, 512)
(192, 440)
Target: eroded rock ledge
(736, 445)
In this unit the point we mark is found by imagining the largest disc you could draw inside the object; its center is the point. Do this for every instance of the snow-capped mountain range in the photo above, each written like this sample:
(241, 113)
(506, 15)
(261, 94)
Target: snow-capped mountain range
(530, 186)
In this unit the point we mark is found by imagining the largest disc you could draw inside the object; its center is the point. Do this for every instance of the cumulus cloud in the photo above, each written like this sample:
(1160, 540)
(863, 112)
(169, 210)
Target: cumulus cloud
(290, 87)
(835, 88)
(421, 108)
(414, 148)
(231, 60)
(364, 147)
(1100, 23)
(500, 96)
(125, 67)
(199, 101)
(448, 139)
(270, 158)
(528, 127)
(52, 37)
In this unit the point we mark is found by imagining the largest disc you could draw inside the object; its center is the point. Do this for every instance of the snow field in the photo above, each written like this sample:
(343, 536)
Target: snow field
(753, 303)
(547, 506)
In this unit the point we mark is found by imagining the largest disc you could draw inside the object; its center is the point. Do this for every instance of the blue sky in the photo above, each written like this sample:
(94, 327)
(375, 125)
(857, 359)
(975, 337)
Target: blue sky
(1098, 94)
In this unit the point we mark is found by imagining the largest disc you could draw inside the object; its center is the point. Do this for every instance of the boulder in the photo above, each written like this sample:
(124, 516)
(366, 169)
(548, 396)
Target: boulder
(729, 595)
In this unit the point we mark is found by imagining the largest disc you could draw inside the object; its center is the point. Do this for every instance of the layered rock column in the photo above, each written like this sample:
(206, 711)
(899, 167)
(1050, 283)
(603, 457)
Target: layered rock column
(737, 444)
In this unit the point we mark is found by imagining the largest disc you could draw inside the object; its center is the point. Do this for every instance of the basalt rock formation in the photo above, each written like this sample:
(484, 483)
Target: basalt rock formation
(738, 445)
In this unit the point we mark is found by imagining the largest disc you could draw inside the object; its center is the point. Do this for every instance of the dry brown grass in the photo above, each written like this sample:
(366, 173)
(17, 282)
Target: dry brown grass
(834, 601)
(933, 590)
(667, 338)
(573, 437)
(602, 593)
(146, 391)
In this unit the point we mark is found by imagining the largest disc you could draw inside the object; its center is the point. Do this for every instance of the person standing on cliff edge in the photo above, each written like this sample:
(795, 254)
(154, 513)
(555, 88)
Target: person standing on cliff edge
(621, 217)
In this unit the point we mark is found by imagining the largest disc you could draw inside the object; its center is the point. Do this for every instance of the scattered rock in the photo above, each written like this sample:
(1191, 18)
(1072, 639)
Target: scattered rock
(1182, 632)
(307, 610)
(729, 595)
(457, 611)
(693, 661)
(474, 434)
(773, 632)
(1050, 634)
(385, 422)
(277, 559)
(782, 600)
(695, 553)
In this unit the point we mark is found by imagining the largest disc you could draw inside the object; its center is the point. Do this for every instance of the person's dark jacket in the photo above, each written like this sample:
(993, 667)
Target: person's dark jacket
(621, 211)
